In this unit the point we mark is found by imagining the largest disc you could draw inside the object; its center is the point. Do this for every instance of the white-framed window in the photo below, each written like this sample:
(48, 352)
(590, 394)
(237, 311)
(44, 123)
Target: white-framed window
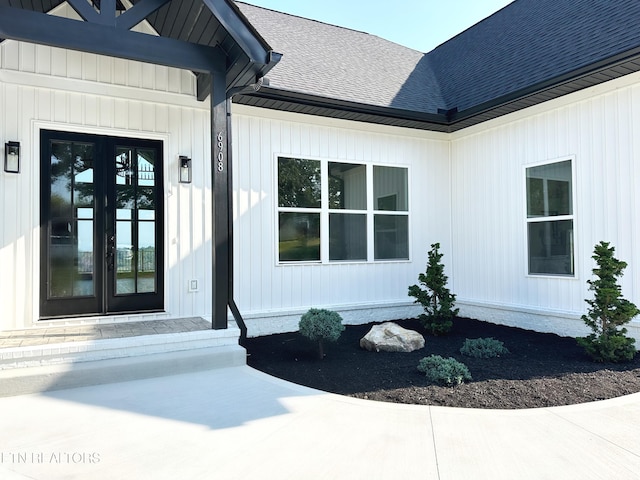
(334, 211)
(550, 218)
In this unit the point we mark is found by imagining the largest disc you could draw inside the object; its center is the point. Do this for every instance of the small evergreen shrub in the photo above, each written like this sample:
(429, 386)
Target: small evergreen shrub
(483, 348)
(445, 371)
(608, 311)
(320, 325)
(436, 299)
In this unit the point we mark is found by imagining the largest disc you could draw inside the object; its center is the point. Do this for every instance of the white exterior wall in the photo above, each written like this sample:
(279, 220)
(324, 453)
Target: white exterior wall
(466, 191)
(272, 297)
(599, 129)
(43, 87)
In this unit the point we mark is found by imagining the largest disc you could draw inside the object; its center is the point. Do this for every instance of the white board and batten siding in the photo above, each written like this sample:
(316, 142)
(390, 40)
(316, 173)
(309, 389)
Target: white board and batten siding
(49, 88)
(273, 296)
(599, 130)
(466, 191)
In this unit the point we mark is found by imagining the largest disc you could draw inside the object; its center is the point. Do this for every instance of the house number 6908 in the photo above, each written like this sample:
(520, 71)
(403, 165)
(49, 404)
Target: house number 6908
(220, 139)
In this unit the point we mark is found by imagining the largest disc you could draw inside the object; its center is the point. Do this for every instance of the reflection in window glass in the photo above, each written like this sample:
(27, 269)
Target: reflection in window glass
(549, 190)
(146, 282)
(299, 236)
(390, 189)
(71, 229)
(551, 247)
(347, 186)
(347, 236)
(549, 239)
(299, 183)
(391, 237)
(124, 258)
(356, 196)
(146, 162)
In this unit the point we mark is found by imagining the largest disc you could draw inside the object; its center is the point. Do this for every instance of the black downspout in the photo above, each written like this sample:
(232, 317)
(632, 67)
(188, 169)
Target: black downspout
(232, 304)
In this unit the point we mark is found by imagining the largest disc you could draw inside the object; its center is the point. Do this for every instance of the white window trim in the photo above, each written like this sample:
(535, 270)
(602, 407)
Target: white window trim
(325, 211)
(573, 217)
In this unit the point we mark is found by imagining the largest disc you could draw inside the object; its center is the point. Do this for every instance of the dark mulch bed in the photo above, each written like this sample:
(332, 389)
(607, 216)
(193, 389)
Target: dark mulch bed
(542, 369)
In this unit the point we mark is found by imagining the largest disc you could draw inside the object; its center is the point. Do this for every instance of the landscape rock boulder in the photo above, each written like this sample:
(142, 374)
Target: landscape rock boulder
(391, 337)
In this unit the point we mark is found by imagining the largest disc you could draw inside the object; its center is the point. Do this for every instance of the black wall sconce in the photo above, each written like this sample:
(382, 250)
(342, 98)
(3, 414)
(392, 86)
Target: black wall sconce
(12, 157)
(185, 169)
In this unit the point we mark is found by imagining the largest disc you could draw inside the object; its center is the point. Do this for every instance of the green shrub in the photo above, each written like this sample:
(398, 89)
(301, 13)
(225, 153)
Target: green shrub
(320, 325)
(483, 348)
(446, 371)
(436, 299)
(608, 311)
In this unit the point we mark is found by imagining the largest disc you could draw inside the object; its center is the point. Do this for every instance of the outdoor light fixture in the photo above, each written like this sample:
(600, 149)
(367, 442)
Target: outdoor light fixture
(185, 169)
(12, 157)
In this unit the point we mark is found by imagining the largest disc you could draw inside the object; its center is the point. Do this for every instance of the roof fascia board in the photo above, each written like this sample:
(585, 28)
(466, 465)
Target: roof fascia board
(346, 106)
(545, 85)
(236, 25)
(33, 27)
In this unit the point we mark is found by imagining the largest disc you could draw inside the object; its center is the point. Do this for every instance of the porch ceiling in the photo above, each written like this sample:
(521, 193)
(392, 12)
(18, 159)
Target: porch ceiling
(212, 29)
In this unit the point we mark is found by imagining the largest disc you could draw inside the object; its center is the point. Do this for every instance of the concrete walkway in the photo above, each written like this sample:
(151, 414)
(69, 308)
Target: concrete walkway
(237, 423)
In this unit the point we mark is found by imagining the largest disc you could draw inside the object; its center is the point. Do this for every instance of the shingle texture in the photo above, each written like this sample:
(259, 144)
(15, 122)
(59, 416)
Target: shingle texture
(520, 46)
(532, 41)
(344, 64)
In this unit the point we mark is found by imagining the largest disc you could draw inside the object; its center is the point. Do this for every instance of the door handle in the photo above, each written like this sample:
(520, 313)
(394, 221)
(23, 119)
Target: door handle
(111, 248)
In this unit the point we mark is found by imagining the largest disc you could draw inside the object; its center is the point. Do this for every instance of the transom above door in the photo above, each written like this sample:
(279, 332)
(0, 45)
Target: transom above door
(101, 225)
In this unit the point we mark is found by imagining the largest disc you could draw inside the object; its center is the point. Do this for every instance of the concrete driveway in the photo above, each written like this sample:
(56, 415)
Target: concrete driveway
(237, 423)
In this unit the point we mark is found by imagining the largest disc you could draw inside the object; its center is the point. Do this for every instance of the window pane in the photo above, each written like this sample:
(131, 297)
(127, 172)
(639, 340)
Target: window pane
(391, 237)
(71, 230)
(146, 281)
(347, 186)
(347, 236)
(299, 183)
(390, 189)
(551, 247)
(549, 190)
(146, 167)
(299, 237)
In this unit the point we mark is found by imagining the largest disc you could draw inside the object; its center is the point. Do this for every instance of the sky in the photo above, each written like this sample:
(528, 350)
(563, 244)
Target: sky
(418, 24)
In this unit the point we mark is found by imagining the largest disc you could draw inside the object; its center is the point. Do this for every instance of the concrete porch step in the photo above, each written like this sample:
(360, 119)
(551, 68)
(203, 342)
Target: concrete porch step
(54, 366)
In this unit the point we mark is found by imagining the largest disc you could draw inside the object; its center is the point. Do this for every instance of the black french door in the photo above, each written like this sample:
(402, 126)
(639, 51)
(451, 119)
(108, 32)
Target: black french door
(101, 218)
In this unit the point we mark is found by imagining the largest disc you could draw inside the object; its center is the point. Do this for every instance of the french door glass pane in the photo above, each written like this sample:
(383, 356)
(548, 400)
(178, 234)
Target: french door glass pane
(551, 247)
(146, 257)
(135, 221)
(391, 237)
(71, 234)
(299, 236)
(347, 236)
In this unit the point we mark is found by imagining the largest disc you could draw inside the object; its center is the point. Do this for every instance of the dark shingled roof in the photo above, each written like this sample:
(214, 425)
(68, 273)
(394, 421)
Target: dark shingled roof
(526, 53)
(531, 41)
(335, 62)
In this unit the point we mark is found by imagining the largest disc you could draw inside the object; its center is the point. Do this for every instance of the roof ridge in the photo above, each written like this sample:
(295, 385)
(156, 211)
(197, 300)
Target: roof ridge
(479, 22)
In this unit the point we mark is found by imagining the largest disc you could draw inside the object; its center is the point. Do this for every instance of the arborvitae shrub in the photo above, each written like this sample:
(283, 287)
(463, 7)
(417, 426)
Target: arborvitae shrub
(608, 311)
(436, 299)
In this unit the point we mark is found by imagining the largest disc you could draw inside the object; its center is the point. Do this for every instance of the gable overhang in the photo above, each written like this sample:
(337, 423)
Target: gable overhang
(447, 120)
(213, 35)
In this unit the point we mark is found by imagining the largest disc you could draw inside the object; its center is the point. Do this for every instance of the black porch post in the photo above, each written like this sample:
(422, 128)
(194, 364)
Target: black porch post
(221, 204)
